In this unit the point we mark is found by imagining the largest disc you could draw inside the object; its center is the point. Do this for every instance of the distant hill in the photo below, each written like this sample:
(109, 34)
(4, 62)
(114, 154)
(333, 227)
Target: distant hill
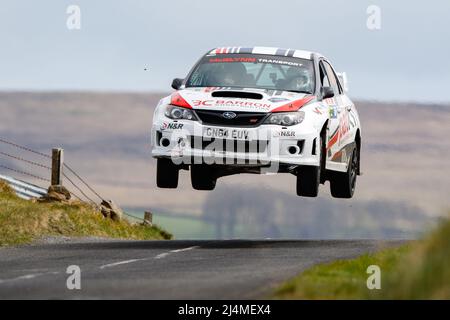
(106, 137)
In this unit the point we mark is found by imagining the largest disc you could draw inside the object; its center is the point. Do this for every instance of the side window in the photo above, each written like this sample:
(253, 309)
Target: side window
(325, 82)
(333, 80)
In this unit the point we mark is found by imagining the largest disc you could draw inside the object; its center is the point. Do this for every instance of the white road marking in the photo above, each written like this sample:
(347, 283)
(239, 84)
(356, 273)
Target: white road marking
(120, 263)
(162, 255)
(185, 249)
(159, 256)
(27, 277)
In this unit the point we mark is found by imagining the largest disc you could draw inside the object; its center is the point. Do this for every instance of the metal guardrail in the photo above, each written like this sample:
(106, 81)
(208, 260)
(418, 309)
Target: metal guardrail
(23, 189)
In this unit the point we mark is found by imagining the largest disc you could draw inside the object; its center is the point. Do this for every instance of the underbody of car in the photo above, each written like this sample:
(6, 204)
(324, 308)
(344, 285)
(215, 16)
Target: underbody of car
(259, 110)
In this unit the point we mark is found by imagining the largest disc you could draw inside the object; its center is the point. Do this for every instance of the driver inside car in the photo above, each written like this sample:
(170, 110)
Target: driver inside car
(234, 74)
(298, 79)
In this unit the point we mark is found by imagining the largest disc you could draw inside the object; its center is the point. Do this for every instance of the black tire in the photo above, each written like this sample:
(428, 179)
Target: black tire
(308, 181)
(309, 178)
(343, 184)
(203, 177)
(323, 157)
(166, 174)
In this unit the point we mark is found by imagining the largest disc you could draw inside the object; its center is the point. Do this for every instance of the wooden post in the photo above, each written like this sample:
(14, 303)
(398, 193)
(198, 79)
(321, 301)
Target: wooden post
(57, 166)
(148, 218)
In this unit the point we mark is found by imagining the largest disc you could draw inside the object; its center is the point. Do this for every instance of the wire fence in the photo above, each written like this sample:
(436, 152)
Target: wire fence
(20, 163)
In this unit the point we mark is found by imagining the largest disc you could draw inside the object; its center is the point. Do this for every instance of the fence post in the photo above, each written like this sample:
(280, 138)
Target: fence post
(57, 166)
(148, 218)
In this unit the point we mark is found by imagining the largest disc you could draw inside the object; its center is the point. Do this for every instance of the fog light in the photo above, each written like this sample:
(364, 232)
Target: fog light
(294, 150)
(164, 142)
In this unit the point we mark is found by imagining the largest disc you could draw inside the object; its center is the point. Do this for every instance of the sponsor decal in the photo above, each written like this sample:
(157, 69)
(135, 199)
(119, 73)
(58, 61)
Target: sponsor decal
(341, 131)
(231, 59)
(203, 103)
(281, 62)
(333, 112)
(344, 125)
(287, 134)
(171, 126)
(284, 134)
(226, 133)
(330, 101)
(230, 103)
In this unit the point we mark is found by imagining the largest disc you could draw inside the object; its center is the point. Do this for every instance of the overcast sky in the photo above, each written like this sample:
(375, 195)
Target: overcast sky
(407, 59)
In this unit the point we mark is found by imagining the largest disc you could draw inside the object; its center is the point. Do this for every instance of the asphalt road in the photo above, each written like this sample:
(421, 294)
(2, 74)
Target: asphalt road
(231, 269)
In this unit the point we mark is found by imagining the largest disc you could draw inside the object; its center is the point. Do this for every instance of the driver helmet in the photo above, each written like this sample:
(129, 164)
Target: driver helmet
(234, 73)
(299, 78)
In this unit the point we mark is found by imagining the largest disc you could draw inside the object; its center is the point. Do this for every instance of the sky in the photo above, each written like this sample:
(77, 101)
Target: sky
(141, 45)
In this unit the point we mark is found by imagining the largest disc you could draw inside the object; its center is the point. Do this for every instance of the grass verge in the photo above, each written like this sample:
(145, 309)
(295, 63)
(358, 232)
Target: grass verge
(23, 221)
(418, 270)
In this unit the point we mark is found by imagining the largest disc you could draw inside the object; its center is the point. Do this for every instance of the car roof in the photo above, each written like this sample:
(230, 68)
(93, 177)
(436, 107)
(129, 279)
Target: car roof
(267, 51)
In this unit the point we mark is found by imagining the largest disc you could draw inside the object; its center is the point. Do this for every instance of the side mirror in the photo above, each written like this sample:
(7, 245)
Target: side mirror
(343, 80)
(176, 83)
(327, 92)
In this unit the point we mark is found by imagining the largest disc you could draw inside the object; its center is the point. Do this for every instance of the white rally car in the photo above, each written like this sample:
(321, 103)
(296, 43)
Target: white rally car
(259, 110)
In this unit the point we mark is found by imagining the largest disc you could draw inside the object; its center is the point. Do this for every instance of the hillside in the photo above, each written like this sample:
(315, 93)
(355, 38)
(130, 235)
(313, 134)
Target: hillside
(414, 271)
(23, 221)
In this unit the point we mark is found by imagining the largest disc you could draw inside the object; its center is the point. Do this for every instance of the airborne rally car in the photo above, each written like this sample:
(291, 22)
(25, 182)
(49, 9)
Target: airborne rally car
(259, 110)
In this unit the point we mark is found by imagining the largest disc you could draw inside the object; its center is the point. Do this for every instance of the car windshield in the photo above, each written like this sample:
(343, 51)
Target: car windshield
(254, 71)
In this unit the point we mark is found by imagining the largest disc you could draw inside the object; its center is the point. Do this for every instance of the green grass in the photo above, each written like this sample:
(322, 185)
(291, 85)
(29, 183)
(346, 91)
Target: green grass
(23, 221)
(419, 270)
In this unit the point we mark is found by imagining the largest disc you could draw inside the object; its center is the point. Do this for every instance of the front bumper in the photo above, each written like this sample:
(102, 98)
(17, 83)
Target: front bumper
(187, 142)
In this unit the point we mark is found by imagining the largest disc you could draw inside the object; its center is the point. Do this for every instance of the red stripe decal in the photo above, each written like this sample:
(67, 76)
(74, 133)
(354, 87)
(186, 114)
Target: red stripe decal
(177, 100)
(294, 105)
(333, 140)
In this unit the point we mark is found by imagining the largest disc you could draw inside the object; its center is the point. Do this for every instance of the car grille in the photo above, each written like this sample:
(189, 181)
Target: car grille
(242, 119)
(229, 145)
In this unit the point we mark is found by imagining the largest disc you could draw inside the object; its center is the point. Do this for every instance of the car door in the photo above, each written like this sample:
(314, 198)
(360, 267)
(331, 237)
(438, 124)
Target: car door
(345, 107)
(334, 106)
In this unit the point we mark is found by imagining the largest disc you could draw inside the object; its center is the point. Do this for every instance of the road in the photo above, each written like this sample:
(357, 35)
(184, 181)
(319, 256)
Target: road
(226, 269)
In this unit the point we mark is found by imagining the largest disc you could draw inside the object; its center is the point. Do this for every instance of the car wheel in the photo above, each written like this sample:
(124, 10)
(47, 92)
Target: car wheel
(323, 158)
(343, 184)
(166, 174)
(203, 177)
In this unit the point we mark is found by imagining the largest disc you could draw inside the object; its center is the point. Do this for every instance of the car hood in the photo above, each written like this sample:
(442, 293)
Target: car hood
(242, 99)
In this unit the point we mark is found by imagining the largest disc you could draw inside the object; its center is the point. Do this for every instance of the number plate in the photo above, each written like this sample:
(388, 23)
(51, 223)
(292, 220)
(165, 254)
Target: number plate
(226, 133)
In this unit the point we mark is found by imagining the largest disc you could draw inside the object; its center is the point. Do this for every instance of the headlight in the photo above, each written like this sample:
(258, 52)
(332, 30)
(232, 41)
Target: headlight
(286, 118)
(178, 113)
